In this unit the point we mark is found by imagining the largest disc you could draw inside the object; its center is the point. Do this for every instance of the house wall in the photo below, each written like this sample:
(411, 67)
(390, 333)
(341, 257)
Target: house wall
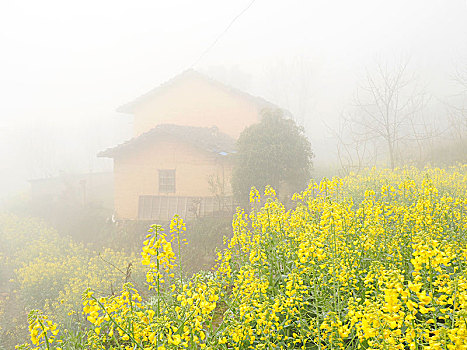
(136, 173)
(194, 101)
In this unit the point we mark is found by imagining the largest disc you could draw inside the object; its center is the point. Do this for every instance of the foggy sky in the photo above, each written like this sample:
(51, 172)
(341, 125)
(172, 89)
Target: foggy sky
(66, 66)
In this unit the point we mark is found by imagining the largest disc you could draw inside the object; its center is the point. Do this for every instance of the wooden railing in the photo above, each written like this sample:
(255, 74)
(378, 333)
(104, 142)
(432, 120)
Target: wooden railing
(163, 208)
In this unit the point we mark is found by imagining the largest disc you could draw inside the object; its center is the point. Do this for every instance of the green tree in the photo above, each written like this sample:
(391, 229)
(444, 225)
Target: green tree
(273, 152)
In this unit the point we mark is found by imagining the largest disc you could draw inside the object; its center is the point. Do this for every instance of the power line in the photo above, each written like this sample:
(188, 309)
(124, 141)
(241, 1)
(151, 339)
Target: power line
(221, 34)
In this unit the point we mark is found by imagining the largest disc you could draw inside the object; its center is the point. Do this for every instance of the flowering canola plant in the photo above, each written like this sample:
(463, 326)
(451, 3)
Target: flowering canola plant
(39, 268)
(371, 261)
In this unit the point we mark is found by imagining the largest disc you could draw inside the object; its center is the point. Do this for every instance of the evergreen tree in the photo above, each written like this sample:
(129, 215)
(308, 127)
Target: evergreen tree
(273, 152)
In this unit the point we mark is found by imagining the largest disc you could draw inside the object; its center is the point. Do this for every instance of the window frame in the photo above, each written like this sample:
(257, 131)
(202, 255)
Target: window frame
(167, 180)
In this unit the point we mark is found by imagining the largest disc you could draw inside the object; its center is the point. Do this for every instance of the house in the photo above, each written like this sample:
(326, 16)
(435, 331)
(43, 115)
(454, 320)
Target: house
(193, 99)
(180, 158)
(172, 169)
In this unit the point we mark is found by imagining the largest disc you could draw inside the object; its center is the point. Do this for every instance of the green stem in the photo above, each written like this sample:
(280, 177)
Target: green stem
(158, 282)
(158, 274)
(45, 333)
(180, 258)
(115, 323)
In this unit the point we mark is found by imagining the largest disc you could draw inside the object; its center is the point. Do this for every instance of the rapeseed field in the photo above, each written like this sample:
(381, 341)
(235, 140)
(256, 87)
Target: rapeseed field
(370, 261)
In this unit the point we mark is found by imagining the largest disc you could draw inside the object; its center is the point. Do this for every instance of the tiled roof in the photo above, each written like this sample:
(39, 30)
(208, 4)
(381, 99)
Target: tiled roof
(189, 73)
(209, 139)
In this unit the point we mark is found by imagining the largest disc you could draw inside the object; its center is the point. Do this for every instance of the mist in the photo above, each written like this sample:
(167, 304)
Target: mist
(294, 169)
(65, 68)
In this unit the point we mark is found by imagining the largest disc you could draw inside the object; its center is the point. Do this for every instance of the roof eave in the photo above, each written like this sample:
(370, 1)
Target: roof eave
(108, 153)
(261, 103)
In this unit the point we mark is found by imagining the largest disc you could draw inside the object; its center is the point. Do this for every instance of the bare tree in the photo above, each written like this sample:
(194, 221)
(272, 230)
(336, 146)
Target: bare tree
(291, 85)
(460, 77)
(457, 118)
(387, 108)
(353, 152)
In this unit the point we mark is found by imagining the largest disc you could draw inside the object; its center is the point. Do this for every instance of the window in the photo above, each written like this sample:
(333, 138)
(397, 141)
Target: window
(167, 181)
